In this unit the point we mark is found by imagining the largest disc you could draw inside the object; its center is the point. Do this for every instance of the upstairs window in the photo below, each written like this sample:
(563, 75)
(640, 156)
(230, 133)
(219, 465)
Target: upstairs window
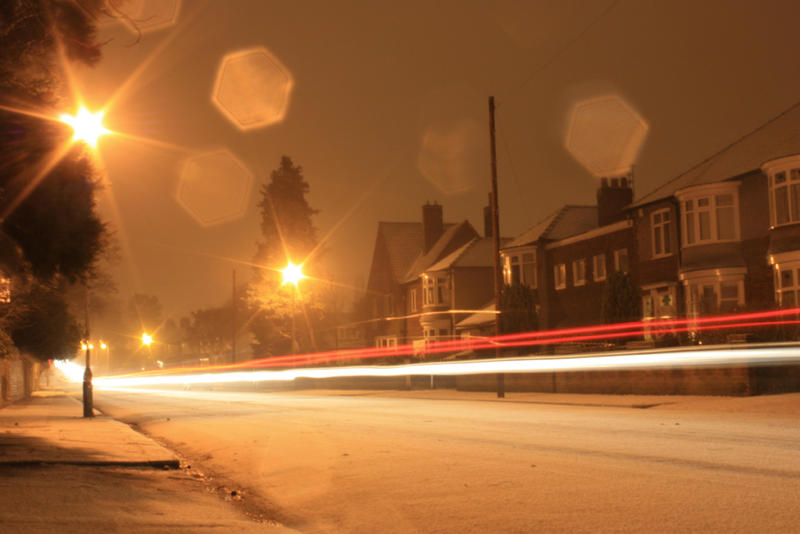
(784, 196)
(560, 275)
(661, 224)
(621, 260)
(520, 268)
(413, 300)
(599, 267)
(579, 272)
(434, 290)
(709, 218)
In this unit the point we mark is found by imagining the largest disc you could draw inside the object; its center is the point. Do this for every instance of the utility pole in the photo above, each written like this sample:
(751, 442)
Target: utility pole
(88, 408)
(498, 275)
(233, 320)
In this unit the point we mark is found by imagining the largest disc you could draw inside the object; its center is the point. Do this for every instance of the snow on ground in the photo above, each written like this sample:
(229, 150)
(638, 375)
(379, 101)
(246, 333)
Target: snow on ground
(443, 461)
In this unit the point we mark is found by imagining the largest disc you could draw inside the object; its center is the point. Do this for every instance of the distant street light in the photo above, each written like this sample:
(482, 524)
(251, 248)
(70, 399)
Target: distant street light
(87, 126)
(147, 339)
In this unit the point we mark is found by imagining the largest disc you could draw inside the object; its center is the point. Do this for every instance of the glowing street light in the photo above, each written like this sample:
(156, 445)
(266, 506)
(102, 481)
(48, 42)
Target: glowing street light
(147, 339)
(292, 274)
(87, 126)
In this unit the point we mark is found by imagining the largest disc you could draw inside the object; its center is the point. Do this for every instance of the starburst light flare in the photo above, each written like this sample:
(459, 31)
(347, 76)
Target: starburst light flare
(292, 274)
(87, 126)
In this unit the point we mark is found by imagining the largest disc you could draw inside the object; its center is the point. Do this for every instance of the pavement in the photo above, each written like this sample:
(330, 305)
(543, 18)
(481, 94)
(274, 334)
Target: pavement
(60, 472)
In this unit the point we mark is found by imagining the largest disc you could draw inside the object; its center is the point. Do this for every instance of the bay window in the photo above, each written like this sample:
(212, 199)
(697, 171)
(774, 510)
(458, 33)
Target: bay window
(709, 213)
(787, 279)
(714, 291)
(783, 176)
(434, 290)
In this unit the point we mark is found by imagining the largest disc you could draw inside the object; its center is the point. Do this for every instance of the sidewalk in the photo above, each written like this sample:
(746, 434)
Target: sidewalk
(62, 473)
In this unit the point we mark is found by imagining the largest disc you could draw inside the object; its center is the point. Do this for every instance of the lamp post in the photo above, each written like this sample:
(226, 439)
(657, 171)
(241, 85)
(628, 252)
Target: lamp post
(88, 399)
(292, 274)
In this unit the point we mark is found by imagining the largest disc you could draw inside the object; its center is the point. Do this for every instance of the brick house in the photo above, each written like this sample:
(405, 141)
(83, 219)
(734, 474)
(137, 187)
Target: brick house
(566, 257)
(724, 236)
(402, 252)
(457, 287)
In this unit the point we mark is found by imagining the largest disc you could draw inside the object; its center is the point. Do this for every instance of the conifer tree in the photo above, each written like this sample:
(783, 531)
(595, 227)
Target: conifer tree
(288, 234)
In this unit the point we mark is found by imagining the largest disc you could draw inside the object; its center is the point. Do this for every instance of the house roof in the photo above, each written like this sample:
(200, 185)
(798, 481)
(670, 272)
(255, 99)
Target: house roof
(564, 222)
(435, 253)
(403, 242)
(486, 315)
(778, 137)
(476, 253)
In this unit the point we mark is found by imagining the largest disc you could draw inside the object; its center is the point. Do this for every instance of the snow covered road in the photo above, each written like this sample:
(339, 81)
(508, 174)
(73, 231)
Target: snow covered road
(406, 462)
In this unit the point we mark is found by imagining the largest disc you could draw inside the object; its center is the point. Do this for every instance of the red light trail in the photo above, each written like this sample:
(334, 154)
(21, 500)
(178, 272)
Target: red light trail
(517, 340)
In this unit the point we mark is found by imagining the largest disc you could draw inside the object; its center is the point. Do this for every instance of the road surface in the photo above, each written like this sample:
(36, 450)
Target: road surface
(428, 462)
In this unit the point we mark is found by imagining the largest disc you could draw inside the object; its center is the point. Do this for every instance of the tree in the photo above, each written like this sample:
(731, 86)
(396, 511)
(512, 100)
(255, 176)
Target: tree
(55, 223)
(45, 329)
(518, 309)
(46, 194)
(621, 301)
(288, 234)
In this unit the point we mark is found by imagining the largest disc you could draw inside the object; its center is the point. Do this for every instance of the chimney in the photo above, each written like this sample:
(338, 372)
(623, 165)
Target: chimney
(432, 224)
(612, 197)
(487, 218)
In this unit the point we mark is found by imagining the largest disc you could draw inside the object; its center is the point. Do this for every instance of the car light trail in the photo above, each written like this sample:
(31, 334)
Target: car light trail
(526, 339)
(721, 355)
(290, 367)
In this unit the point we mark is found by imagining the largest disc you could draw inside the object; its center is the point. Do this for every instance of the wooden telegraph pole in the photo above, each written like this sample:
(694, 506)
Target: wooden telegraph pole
(498, 274)
(233, 320)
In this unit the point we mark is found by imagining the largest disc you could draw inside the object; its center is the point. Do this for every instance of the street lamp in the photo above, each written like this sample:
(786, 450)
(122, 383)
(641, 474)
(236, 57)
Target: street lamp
(87, 126)
(147, 339)
(292, 274)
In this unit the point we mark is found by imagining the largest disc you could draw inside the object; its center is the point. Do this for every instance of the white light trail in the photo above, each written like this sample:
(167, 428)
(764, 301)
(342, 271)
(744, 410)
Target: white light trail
(626, 360)
(72, 371)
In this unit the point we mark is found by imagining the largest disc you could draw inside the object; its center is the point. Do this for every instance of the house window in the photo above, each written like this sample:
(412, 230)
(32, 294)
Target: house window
(413, 300)
(599, 267)
(661, 233)
(434, 290)
(520, 269)
(386, 341)
(621, 260)
(787, 286)
(709, 218)
(579, 272)
(784, 196)
(529, 270)
(560, 275)
(714, 291)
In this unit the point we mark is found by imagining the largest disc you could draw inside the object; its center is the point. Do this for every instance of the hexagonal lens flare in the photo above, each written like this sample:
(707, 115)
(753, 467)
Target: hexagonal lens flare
(605, 135)
(452, 155)
(147, 15)
(252, 88)
(214, 188)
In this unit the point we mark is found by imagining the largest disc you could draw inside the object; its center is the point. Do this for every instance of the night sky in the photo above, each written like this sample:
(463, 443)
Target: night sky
(389, 110)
